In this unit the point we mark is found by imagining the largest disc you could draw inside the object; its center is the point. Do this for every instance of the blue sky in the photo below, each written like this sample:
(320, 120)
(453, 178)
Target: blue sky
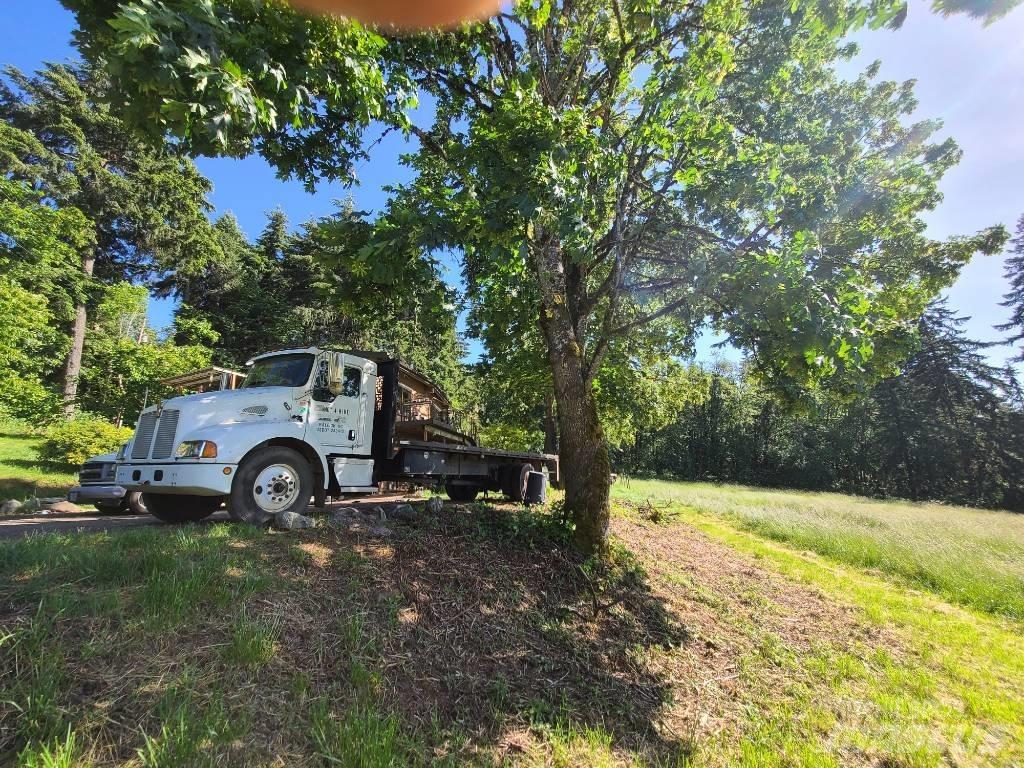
(968, 75)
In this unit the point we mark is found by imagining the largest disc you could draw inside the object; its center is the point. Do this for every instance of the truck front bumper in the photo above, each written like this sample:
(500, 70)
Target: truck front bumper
(200, 479)
(109, 494)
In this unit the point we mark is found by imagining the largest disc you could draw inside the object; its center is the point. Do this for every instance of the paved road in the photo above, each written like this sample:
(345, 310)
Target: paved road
(15, 527)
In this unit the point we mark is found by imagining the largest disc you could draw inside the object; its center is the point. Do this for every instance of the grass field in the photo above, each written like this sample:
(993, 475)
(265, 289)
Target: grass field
(735, 627)
(22, 473)
(972, 557)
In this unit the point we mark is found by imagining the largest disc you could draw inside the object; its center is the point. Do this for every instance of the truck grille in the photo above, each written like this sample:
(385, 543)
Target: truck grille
(96, 472)
(164, 443)
(144, 435)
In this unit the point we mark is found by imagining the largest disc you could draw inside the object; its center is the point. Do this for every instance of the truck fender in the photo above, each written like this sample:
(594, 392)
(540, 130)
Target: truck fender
(237, 440)
(321, 473)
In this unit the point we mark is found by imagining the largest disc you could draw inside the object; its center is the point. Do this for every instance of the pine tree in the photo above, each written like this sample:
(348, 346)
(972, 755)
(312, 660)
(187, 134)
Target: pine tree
(146, 208)
(1014, 298)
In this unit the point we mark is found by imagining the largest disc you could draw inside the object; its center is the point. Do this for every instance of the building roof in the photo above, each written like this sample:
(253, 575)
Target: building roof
(196, 378)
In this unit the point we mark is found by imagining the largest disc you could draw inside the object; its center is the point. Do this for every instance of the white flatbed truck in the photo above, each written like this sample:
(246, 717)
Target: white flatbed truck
(308, 423)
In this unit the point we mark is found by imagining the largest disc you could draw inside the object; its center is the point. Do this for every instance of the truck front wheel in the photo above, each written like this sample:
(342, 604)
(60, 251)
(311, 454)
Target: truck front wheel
(268, 481)
(174, 508)
(461, 491)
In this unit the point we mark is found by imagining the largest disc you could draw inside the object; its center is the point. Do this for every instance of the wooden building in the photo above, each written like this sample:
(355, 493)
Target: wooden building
(207, 380)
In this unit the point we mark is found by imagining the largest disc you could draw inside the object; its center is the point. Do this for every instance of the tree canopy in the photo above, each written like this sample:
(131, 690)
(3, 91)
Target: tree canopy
(622, 174)
(143, 209)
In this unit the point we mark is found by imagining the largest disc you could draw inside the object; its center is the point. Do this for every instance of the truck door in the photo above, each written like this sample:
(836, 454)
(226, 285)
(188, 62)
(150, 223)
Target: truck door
(339, 420)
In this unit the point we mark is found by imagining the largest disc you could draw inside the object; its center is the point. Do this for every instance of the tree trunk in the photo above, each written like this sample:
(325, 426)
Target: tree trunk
(583, 456)
(73, 364)
(584, 463)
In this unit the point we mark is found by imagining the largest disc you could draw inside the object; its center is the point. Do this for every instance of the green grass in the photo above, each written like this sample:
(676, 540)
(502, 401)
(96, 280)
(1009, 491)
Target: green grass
(953, 695)
(359, 737)
(60, 753)
(463, 641)
(23, 474)
(253, 641)
(972, 557)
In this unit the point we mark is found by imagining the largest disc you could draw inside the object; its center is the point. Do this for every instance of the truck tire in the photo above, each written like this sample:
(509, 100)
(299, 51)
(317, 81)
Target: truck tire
(116, 508)
(131, 504)
(461, 491)
(268, 481)
(174, 508)
(514, 481)
(136, 505)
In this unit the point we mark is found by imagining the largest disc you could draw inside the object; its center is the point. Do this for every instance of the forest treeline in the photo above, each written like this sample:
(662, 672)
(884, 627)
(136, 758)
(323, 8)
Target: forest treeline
(949, 427)
(93, 222)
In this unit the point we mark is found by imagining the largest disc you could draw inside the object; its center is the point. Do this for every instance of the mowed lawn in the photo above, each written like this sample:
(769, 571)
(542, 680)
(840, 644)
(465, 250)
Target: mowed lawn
(973, 557)
(22, 473)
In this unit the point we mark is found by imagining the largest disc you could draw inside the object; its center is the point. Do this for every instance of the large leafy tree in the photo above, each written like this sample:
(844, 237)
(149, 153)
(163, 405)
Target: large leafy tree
(124, 361)
(309, 287)
(647, 169)
(638, 169)
(40, 284)
(145, 209)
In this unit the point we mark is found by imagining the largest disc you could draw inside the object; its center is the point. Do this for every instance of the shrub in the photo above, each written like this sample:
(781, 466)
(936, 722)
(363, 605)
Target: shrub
(72, 442)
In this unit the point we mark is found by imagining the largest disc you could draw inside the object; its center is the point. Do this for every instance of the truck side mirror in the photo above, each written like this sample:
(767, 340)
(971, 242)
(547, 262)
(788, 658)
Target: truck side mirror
(335, 371)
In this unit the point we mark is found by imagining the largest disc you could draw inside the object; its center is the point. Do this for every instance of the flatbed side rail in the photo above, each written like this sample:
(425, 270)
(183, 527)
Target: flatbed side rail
(548, 459)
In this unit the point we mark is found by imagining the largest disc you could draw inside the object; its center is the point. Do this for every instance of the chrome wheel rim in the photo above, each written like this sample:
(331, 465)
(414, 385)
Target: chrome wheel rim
(276, 488)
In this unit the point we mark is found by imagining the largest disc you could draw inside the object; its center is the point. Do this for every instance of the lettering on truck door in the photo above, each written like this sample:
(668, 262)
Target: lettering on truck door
(336, 421)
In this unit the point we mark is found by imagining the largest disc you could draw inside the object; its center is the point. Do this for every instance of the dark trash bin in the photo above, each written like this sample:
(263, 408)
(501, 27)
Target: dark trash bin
(536, 488)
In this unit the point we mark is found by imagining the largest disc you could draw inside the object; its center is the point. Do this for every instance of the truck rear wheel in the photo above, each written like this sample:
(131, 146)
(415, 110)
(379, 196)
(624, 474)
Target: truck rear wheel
(268, 481)
(461, 491)
(514, 481)
(174, 508)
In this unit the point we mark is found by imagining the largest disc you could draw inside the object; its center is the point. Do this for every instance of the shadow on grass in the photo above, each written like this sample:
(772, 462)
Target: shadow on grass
(489, 623)
(41, 465)
(451, 638)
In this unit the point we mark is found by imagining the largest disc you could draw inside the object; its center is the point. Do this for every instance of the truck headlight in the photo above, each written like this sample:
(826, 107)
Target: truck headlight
(196, 449)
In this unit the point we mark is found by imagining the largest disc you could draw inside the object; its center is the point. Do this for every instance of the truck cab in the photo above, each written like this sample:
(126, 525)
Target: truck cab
(301, 421)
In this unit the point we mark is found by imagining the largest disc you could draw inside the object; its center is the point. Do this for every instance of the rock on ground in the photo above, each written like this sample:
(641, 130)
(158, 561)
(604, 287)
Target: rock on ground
(34, 504)
(404, 512)
(344, 515)
(55, 506)
(291, 521)
(378, 512)
(434, 505)
(10, 506)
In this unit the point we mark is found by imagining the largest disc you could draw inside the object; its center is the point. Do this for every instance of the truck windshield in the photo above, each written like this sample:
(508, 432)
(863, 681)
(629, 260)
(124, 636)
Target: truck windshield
(279, 371)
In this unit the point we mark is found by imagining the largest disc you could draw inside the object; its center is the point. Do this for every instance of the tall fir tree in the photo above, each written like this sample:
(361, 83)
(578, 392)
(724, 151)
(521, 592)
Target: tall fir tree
(1014, 298)
(146, 209)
